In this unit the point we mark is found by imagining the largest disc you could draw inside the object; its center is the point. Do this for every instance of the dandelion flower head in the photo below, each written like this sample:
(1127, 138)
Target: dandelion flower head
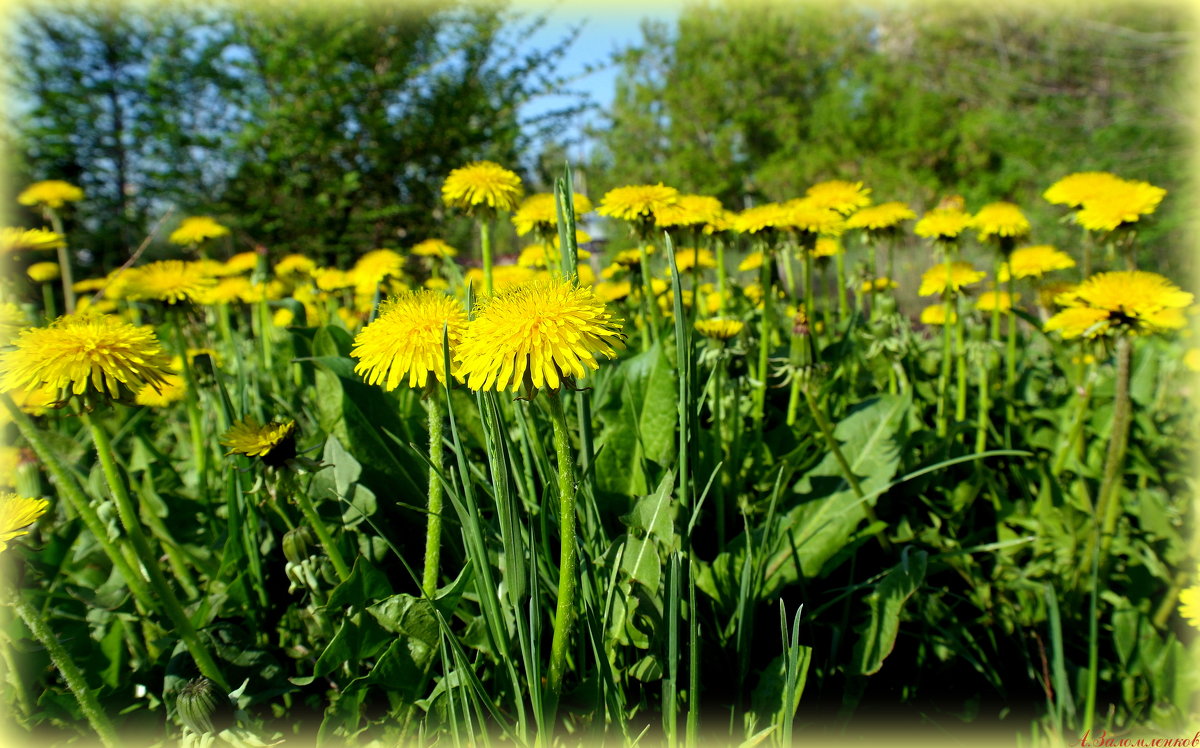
(17, 513)
(1034, 262)
(935, 314)
(84, 354)
(536, 334)
(434, 248)
(942, 224)
(752, 261)
(274, 442)
(719, 329)
(638, 203)
(690, 210)
(997, 301)
(168, 281)
(1189, 605)
(839, 195)
(1132, 299)
(807, 216)
(17, 239)
(1000, 220)
(936, 279)
(1123, 203)
(827, 247)
(295, 264)
(52, 193)
(880, 218)
(761, 218)
(688, 258)
(540, 212)
(197, 229)
(405, 340)
(1074, 190)
(482, 184)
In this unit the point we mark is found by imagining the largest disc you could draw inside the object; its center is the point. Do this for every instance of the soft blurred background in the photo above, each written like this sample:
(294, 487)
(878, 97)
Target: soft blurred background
(326, 128)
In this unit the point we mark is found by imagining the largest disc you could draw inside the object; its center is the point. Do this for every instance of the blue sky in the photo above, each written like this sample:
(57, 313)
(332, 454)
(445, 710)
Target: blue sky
(606, 29)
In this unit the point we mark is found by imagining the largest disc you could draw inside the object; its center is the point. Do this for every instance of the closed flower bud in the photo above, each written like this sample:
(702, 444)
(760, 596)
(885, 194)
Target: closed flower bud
(298, 544)
(202, 707)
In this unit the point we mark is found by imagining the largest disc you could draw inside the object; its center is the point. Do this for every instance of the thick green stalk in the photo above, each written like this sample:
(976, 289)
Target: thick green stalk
(943, 403)
(318, 526)
(722, 272)
(960, 402)
(981, 424)
(158, 582)
(1108, 504)
(847, 472)
(69, 489)
(70, 672)
(1010, 359)
(48, 305)
(64, 261)
(843, 303)
(433, 520)
(191, 401)
(567, 576)
(485, 248)
(766, 275)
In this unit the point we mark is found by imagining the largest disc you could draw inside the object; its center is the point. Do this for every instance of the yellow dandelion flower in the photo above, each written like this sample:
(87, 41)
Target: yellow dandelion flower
(376, 265)
(437, 284)
(225, 291)
(196, 230)
(434, 248)
(170, 391)
(991, 300)
(533, 256)
(1034, 262)
(1122, 204)
(35, 401)
(89, 285)
(168, 281)
(752, 261)
(242, 262)
(332, 279)
(688, 258)
(1049, 295)
(629, 258)
(274, 443)
(52, 193)
(503, 276)
(1189, 605)
(827, 247)
(17, 513)
(719, 329)
(581, 237)
(295, 264)
(935, 314)
(1074, 190)
(839, 195)
(406, 339)
(806, 216)
(761, 218)
(10, 458)
(880, 218)
(43, 272)
(607, 292)
(1132, 299)
(1191, 359)
(961, 274)
(83, 353)
(534, 335)
(878, 284)
(482, 184)
(539, 212)
(942, 224)
(20, 240)
(1000, 220)
(690, 210)
(638, 203)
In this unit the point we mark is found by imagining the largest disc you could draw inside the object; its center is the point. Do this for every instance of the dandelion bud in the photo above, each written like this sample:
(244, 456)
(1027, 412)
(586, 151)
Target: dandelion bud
(298, 544)
(200, 701)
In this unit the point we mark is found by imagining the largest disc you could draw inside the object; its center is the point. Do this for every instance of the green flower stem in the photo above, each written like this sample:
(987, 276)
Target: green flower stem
(48, 304)
(1077, 420)
(64, 261)
(766, 275)
(654, 319)
(485, 248)
(843, 302)
(1010, 359)
(318, 526)
(960, 393)
(1108, 505)
(433, 520)
(789, 271)
(722, 274)
(69, 489)
(995, 318)
(847, 472)
(809, 301)
(158, 582)
(981, 423)
(719, 431)
(1086, 265)
(567, 577)
(943, 404)
(191, 401)
(70, 672)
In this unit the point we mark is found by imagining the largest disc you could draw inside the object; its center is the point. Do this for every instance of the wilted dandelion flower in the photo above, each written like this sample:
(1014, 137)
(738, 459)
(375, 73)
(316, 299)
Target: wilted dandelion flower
(17, 513)
(17, 240)
(434, 248)
(1034, 262)
(935, 314)
(942, 224)
(936, 279)
(274, 443)
(52, 193)
(43, 272)
(690, 210)
(1074, 190)
(1132, 299)
(839, 195)
(197, 229)
(482, 183)
(1122, 203)
(168, 281)
(406, 339)
(880, 218)
(540, 213)
(1000, 220)
(84, 354)
(719, 329)
(534, 335)
(995, 301)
